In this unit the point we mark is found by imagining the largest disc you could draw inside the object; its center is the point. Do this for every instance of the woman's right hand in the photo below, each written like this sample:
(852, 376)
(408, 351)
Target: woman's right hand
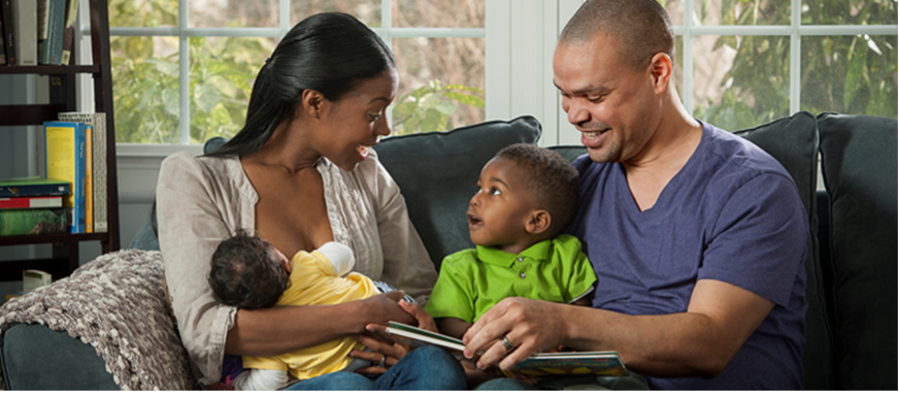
(385, 307)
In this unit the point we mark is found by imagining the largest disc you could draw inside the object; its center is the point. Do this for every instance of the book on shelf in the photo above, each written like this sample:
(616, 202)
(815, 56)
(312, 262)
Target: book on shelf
(33, 221)
(31, 202)
(97, 121)
(24, 24)
(33, 186)
(88, 182)
(607, 363)
(51, 22)
(68, 41)
(2, 45)
(9, 42)
(64, 153)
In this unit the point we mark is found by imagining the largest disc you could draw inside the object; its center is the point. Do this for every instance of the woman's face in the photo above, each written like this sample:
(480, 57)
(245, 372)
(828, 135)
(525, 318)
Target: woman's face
(355, 122)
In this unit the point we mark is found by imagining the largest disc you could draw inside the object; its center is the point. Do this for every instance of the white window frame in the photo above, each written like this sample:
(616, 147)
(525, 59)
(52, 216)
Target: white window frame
(387, 32)
(521, 37)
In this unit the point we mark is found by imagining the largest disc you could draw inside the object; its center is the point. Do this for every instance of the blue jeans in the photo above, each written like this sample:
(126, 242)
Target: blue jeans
(425, 368)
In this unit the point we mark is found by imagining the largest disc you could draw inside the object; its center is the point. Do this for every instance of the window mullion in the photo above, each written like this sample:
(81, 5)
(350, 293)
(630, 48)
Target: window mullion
(795, 55)
(183, 74)
(284, 16)
(688, 56)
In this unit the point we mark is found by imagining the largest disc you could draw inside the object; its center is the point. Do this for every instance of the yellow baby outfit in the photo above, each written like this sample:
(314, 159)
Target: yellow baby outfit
(316, 279)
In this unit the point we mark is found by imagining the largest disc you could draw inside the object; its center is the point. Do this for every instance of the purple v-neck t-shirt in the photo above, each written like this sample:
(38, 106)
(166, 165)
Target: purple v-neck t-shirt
(731, 214)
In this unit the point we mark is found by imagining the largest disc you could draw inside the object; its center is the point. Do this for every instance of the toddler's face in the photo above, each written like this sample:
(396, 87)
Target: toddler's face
(500, 209)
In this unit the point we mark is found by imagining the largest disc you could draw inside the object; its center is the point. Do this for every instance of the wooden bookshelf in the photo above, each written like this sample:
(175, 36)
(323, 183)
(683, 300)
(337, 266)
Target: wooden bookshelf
(62, 99)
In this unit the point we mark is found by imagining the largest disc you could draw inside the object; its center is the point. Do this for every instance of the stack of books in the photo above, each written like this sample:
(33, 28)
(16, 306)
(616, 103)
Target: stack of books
(33, 206)
(36, 32)
(66, 199)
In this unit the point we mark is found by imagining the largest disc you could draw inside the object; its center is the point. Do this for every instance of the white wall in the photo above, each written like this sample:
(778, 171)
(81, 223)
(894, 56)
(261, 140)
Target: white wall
(521, 38)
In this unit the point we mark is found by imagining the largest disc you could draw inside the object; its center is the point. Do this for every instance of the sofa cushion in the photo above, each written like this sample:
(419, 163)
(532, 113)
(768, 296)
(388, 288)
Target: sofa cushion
(437, 173)
(858, 158)
(793, 141)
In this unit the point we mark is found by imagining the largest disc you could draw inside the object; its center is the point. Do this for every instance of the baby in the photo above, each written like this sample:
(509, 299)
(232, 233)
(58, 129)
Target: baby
(247, 272)
(525, 198)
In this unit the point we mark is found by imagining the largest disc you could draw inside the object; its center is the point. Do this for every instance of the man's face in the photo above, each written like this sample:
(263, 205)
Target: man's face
(606, 99)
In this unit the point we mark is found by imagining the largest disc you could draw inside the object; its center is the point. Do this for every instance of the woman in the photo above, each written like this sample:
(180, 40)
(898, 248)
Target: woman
(301, 173)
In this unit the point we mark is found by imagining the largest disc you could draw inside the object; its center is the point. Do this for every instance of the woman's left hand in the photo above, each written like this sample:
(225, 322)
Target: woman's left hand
(385, 351)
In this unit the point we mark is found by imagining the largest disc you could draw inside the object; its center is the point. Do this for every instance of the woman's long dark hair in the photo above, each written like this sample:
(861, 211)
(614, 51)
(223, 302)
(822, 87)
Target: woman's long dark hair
(328, 52)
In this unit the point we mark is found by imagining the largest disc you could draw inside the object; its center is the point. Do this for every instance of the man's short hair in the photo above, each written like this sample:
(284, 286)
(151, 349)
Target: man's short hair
(552, 181)
(245, 273)
(641, 27)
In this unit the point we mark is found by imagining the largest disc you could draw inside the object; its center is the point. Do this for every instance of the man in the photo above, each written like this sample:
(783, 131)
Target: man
(698, 237)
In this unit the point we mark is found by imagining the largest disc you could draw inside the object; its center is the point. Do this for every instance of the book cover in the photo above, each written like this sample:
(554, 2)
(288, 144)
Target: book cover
(64, 154)
(51, 44)
(606, 363)
(33, 186)
(31, 202)
(32, 222)
(8, 33)
(88, 180)
(68, 41)
(43, 15)
(2, 34)
(98, 162)
(25, 26)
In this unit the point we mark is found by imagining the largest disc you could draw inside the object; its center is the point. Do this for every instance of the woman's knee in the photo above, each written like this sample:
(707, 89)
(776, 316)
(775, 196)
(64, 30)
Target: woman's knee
(434, 368)
(335, 381)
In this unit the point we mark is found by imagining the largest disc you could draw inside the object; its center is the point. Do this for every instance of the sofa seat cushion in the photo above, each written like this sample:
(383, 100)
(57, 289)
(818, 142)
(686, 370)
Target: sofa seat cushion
(438, 171)
(858, 160)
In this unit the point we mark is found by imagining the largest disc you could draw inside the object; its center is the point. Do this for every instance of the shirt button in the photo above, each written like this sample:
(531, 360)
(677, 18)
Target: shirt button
(522, 275)
(520, 259)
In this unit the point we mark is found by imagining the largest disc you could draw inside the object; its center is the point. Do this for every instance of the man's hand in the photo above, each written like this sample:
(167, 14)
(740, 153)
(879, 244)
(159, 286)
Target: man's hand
(531, 326)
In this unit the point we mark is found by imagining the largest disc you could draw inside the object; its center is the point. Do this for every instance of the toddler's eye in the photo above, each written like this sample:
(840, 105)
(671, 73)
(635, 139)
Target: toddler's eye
(495, 192)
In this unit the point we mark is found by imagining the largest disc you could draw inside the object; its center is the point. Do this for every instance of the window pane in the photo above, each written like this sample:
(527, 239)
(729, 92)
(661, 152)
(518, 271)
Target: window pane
(441, 83)
(743, 12)
(222, 71)
(868, 12)
(438, 13)
(675, 9)
(145, 89)
(232, 13)
(741, 81)
(849, 74)
(143, 13)
(367, 11)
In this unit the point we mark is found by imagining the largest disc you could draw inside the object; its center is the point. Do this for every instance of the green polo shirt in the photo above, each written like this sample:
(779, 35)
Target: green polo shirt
(473, 280)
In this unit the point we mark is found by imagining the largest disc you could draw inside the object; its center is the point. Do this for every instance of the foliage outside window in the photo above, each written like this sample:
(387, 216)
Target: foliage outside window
(147, 70)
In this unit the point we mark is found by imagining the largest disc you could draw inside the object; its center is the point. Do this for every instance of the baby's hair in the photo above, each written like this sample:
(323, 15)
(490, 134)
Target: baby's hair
(246, 274)
(552, 180)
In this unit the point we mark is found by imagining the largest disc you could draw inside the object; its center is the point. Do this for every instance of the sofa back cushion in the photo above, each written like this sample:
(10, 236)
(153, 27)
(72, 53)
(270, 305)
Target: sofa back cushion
(437, 173)
(858, 160)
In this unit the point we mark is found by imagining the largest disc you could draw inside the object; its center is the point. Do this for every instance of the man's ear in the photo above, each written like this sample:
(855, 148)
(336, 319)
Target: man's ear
(311, 103)
(661, 68)
(539, 222)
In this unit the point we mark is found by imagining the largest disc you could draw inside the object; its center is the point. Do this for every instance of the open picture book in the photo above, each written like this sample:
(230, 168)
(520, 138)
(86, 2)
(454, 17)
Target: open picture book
(607, 363)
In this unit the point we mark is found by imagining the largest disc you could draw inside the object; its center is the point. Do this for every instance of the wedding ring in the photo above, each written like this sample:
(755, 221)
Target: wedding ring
(383, 361)
(506, 343)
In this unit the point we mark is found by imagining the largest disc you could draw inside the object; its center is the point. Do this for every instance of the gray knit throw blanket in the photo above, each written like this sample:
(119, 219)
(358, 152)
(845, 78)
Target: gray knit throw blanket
(116, 304)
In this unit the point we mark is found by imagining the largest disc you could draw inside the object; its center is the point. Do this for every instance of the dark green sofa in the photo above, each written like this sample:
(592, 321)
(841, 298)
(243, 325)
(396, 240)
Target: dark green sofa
(852, 317)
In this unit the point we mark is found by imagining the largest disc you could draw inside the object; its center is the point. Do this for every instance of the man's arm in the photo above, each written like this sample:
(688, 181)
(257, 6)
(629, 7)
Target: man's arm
(699, 342)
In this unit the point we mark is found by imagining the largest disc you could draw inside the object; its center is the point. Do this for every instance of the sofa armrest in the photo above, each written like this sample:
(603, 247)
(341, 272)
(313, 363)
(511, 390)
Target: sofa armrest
(114, 304)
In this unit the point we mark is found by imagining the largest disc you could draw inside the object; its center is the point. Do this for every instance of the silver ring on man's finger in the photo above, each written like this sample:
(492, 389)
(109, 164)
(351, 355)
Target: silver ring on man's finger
(383, 361)
(506, 343)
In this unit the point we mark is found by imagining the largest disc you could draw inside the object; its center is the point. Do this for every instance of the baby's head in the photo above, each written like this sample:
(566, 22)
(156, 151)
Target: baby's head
(526, 194)
(247, 272)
